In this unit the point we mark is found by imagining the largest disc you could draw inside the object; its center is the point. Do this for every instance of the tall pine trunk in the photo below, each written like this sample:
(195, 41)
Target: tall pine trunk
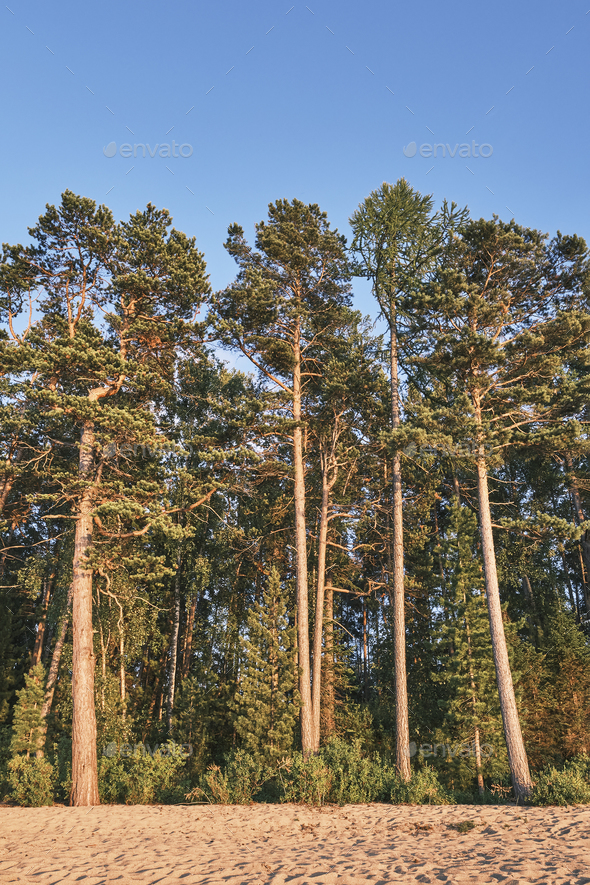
(42, 623)
(319, 610)
(330, 700)
(307, 728)
(583, 544)
(54, 668)
(402, 726)
(517, 758)
(187, 648)
(476, 735)
(84, 762)
(174, 646)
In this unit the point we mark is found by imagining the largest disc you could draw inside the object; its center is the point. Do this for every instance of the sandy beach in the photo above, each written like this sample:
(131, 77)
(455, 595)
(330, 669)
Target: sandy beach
(278, 844)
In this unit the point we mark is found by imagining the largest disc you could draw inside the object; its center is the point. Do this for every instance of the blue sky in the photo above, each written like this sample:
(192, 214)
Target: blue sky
(274, 99)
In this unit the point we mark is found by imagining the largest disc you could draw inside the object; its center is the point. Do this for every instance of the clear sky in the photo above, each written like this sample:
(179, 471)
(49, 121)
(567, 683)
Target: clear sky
(273, 99)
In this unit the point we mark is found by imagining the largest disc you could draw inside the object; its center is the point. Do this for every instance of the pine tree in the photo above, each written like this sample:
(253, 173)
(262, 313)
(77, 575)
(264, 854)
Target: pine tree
(282, 312)
(496, 336)
(471, 710)
(267, 704)
(28, 724)
(568, 669)
(147, 281)
(397, 237)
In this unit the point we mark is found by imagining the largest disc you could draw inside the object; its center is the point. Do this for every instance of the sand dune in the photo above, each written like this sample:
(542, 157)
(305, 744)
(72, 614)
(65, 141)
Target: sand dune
(261, 844)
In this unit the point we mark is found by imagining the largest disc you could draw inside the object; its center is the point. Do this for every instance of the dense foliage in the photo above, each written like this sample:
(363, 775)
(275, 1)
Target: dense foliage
(229, 540)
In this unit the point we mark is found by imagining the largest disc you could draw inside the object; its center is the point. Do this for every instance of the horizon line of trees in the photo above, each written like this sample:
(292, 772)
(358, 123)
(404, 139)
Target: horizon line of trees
(385, 540)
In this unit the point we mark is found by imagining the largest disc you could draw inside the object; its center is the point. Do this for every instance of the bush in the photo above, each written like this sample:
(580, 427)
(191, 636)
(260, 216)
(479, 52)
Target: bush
(423, 788)
(306, 781)
(31, 781)
(354, 777)
(568, 786)
(237, 784)
(5, 756)
(142, 779)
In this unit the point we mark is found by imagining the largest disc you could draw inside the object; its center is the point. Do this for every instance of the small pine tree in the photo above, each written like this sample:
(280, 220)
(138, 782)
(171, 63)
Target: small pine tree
(472, 719)
(27, 727)
(568, 666)
(267, 703)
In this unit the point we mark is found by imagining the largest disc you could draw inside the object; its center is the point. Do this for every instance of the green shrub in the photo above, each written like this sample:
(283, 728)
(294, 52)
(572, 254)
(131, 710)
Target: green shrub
(5, 756)
(236, 784)
(423, 788)
(140, 778)
(355, 777)
(31, 781)
(568, 786)
(305, 781)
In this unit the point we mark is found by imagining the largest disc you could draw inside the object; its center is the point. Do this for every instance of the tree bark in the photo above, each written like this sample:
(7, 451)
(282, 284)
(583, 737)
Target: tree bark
(8, 481)
(38, 647)
(84, 761)
(402, 726)
(319, 608)
(517, 758)
(365, 654)
(533, 618)
(307, 729)
(584, 543)
(329, 706)
(174, 645)
(54, 668)
(477, 746)
(188, 638)
(476, 740)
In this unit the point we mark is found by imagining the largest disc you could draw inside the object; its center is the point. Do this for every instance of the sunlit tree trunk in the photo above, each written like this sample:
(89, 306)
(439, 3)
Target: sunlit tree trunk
(187, 648)
(319, 612)
(328, 671)
(402, 726)
(38, 647)
(517, 758)
(307, 728)
(84, 762)
(174, 646)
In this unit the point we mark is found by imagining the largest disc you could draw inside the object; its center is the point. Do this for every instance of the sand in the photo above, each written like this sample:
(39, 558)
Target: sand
(279, 844)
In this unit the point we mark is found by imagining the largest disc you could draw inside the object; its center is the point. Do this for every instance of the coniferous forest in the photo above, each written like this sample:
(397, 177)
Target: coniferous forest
(354, 568)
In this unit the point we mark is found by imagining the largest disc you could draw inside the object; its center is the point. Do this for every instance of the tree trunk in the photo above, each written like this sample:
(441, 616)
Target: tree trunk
(477, 745)
(188, 638)
(307, 731)
(319, 612)
(122, 685)
(533, 619)
(84, 762)
(174, 645)
(584, 543)
(517, 758)
(476, 740)
(329, 705)
(365, 654)
(54, 668)
(103, 665)
(402, 726)
(38, 647)
(8, 481)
